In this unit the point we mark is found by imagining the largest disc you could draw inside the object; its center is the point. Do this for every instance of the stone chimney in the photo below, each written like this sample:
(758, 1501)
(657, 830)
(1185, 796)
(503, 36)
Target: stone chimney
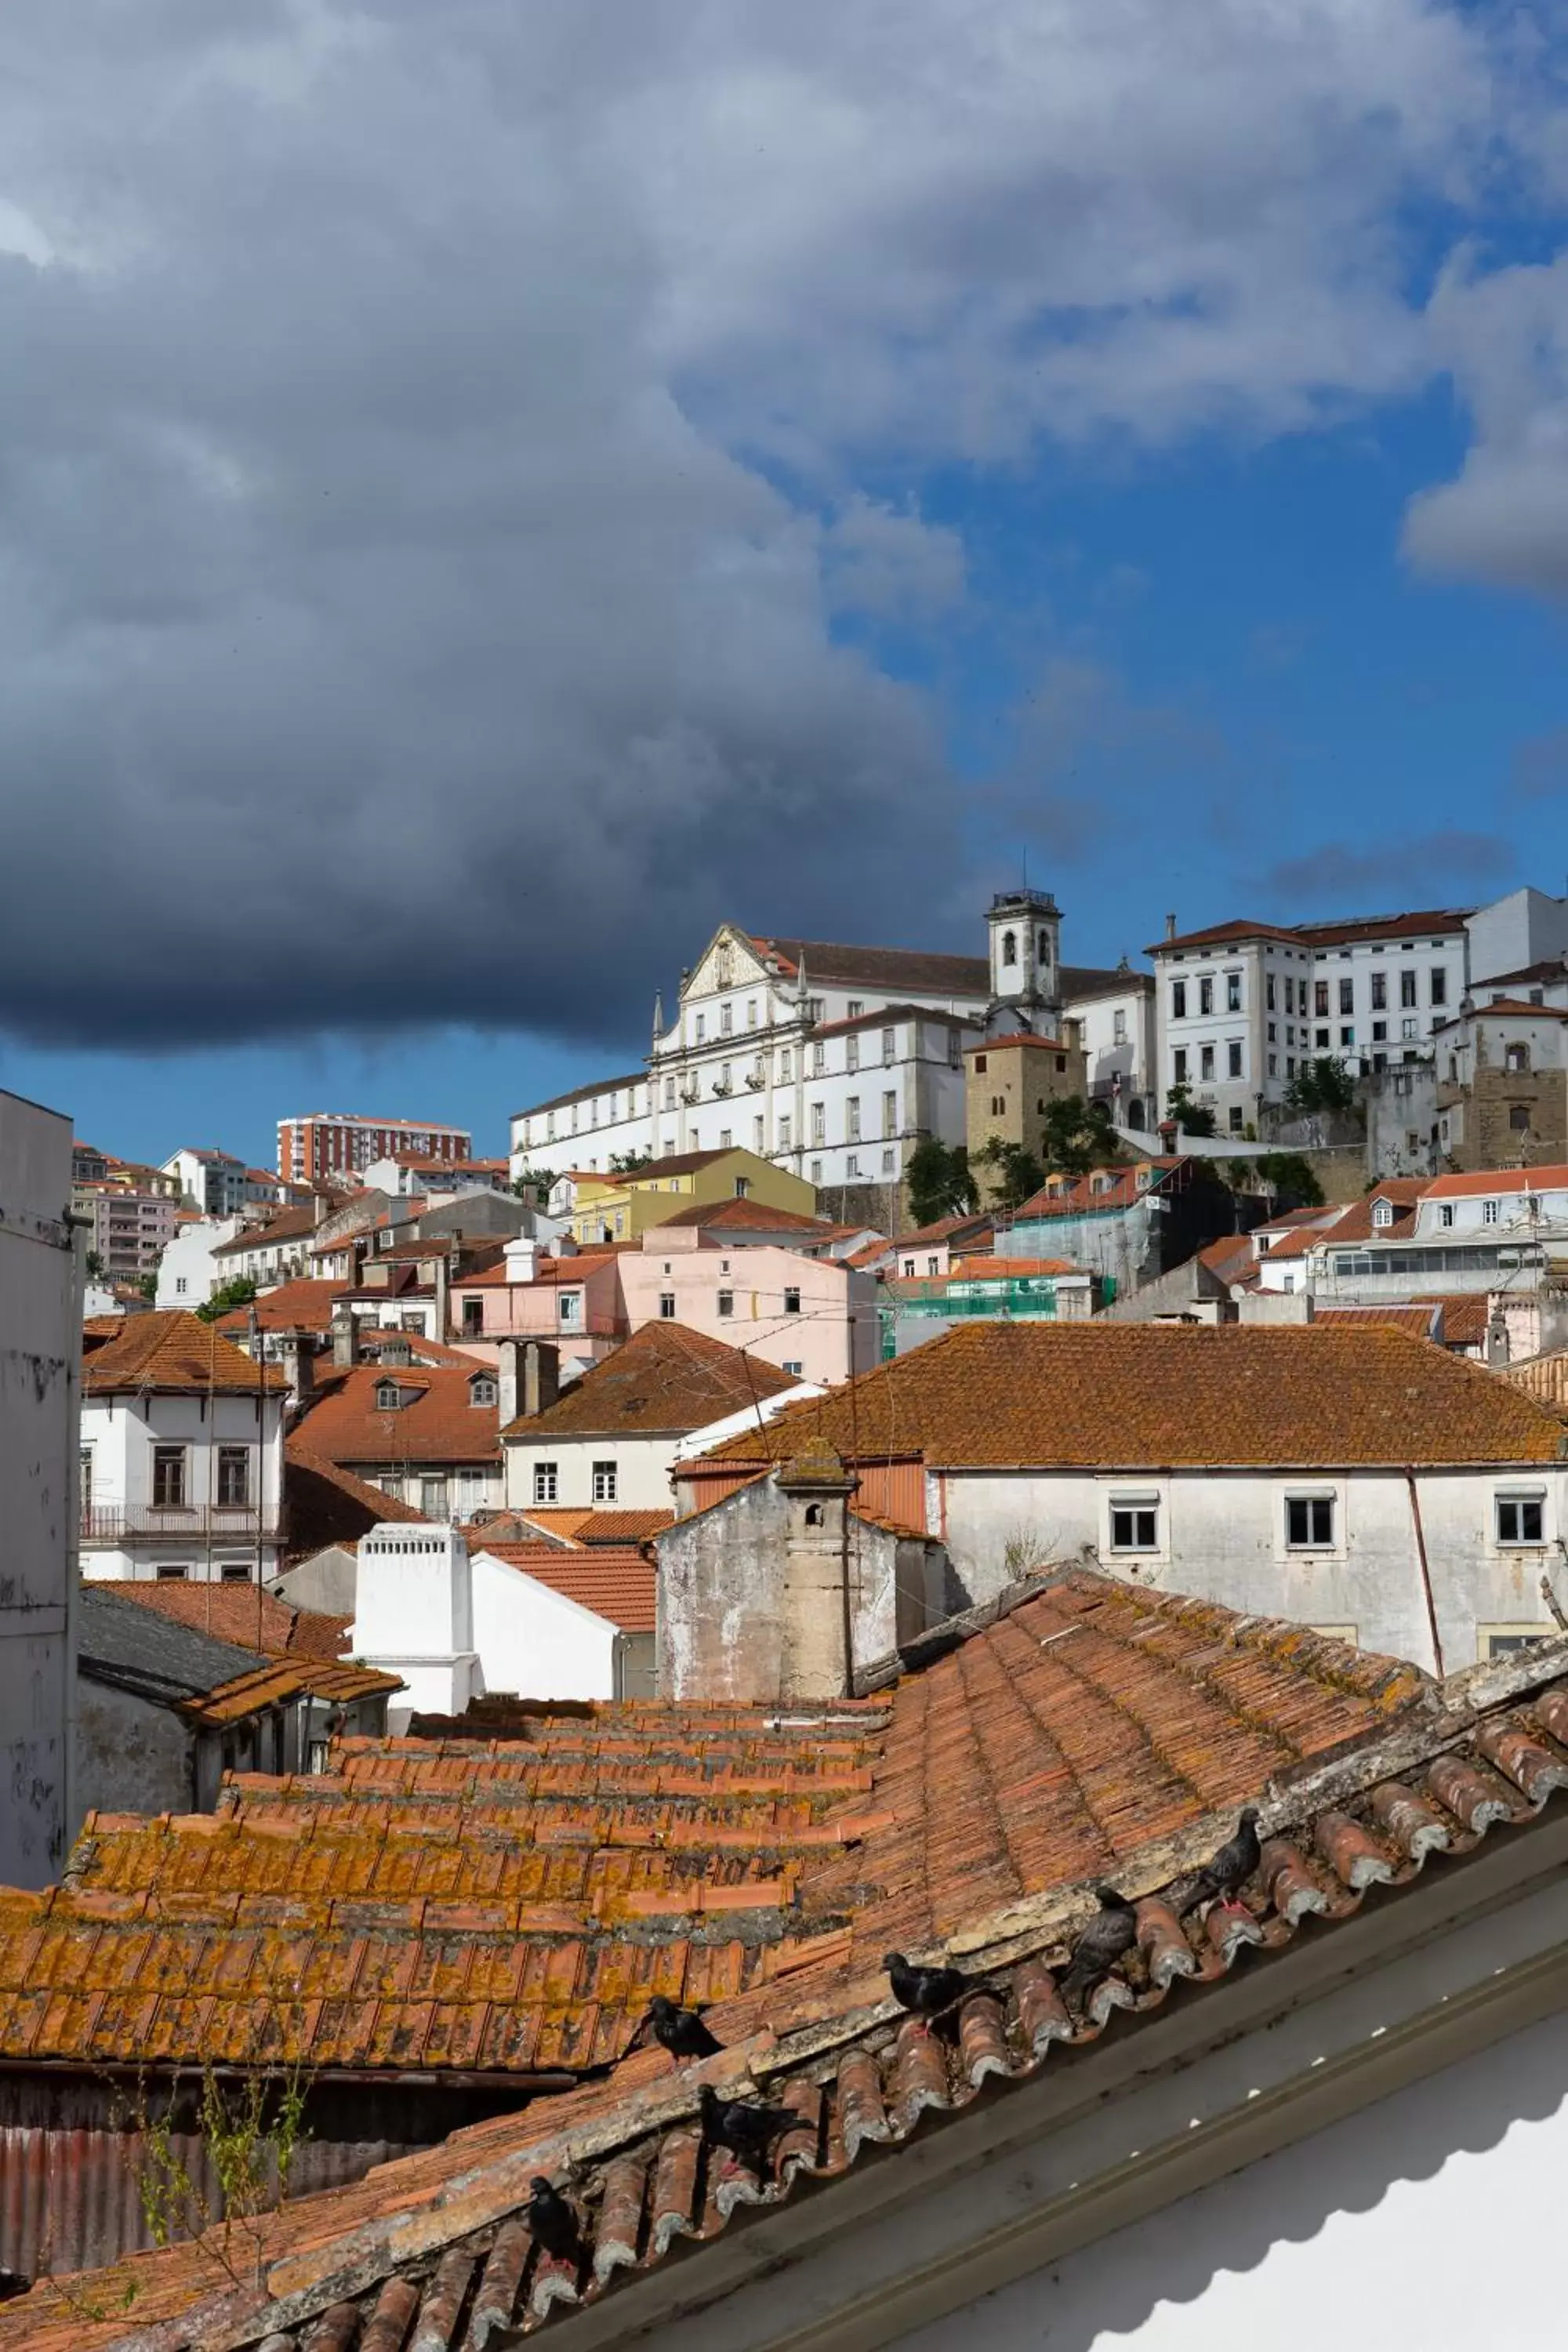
(345, 1335)
(297, 1350)
(443, 1273)
(321, 1207)
(816, 1659)
(1170, 927)
(541, 1375)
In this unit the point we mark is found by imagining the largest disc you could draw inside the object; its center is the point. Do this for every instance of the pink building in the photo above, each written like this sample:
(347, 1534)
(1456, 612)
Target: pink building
(810, 1316)
(575, 1299)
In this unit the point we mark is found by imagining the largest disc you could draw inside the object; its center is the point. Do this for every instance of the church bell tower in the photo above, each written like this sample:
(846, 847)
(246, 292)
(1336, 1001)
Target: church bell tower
(1026, 962)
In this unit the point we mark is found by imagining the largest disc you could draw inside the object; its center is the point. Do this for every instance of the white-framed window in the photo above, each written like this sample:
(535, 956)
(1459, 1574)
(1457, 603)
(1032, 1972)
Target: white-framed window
(816, 1172)
(855, 1007)
(1309, 1522)
(793, 1364)
(604, 1482)
(890, 1044)
(1502, 1640)
(169, 1477)
(1383, 1213)
(667, 1306)
(1178, 999)
(792, 1302)
(1446, 1213)
(890, 1113)
(726, 1302)
(1134, 1523)
(546, 1481)
(234, 1475)
(1522, 1516)
(1233, 991)
(888, 1163)
(852, 1165)
(482, 1390)
(171, 1574)
(851, 1053)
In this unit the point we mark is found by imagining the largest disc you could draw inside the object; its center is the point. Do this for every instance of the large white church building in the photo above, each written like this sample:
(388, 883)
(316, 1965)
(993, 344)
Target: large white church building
(836, 1061)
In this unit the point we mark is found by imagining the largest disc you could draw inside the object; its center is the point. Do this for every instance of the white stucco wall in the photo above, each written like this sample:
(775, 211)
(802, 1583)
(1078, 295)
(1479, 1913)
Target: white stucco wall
(188, 1273)
(642, 1471)
(119, 1434)
(535, 1642)
(1222, 1538)
(40, 1342)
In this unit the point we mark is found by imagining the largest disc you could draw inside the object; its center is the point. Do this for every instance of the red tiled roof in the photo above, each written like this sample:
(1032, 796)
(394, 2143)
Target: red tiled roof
(1444, 919)
(546, 1269)
(282, 1679)
(667, 1379)
(1230, 1257)
(1007, 1394)
(291, 1224)
(174, 1352)
(1016, 1037)
(912, 968)
(615, 1581)
(622, 1527)
(1123, 1189)
(971, 1222)
(246, 1615)
(1416, 1320)
(1465, 1316)
(1551, 1179)
(373, 1340)
(1514, 1008)
(324, 1504)
(438, 1424)
(304, 1306)
(744, 1216)
(1089, 1731)
(1225, 934)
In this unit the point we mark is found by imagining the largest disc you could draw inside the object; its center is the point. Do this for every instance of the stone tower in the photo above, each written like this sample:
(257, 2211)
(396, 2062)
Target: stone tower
(1026, 963)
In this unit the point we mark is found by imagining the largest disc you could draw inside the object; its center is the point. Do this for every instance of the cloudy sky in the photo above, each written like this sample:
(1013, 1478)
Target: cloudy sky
(485, 492)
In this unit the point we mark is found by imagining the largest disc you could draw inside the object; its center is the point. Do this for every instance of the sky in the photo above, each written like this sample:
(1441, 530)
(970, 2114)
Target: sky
(487, 496)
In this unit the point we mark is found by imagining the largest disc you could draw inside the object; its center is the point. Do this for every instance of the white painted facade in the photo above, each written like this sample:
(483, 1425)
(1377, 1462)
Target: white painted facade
(40, 1351)
(188, 1273)
(1525, 927)
(536, 1642)
(1227, 1536)
(413, 1617)
(1117, 1025)
(140, 1452)
(607, 1472)
(1506, 1230)
(216, 1183)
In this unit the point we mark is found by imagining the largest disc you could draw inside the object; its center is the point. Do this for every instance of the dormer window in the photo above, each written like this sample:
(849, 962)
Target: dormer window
(388, 1396)
(481, 1390)
(1383, 1212)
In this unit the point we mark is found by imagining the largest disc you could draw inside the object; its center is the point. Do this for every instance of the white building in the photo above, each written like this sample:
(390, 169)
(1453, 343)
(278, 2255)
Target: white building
(188, 1272)
(404, 1173)
(216, 1183)
(1346, 1476)
(182, 1456)
(834, 1060)
(40, 1351)
(1500, 1229)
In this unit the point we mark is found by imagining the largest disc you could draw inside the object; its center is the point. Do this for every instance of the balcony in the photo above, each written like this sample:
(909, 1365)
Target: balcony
(130, 1523)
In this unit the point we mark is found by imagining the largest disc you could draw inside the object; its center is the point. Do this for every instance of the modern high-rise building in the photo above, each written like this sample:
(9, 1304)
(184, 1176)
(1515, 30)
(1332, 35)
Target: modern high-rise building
(326, 1144)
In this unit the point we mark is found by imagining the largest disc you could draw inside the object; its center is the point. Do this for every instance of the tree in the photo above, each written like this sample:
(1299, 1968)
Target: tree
(535, 1186)
(1324, 1083)
(938, 1181)
(1290, 1176)
(227, 1296)
(1013, 1177)
(630, 1164)
(94, 1266)
(1076, 1136)
(1193, 1118)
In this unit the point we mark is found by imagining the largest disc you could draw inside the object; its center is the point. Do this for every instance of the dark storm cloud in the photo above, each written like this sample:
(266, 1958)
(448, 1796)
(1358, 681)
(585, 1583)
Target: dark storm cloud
(389, 630)
(1446, 868)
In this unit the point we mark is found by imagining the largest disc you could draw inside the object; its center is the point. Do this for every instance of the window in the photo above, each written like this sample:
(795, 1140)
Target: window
(1502, 1640)
(726, 1302)
(1516, 1058)
(1380, 1033)
(1383, 1212)
(852, 1119)
(1321, 1037)
(888, 1163)
(604, 1482)
(980, 1061)
(1237, 1118)
(1347, 1034)
(816, 1172)
(234, 1475)
(1118, 1028)
(1408, 1029)
(1379, 992)
(701, 1028)
(818, 1060)
(819, 1122)
(786, 1067)
(784, 1132)
(1519, 1119)
(908, 1268)
(1009, 946)
(482, 1391)
(1521, 1519)
(669, 1093)
(388, 1396)
(1134, 1523)
(179, 1283)
(1309, 1522)
(1408, 988)
(1233, 991)
(171, 1575)
(855, 1007)
(814, 1008)
(235, 1571)
(758, 1134)
(890, 1044)
(998, 1106)
(931, 1265)
(667, 1306)
(726, 1020)
(546, 1481)
(1232, 1059)
(792, 1364)
(890, 1114)
(1269, 993)
(1178, 999)
(1320, 998)
(852, 1053)
(1492, 1211)
(751, 1013)
(852, 1165)
(1206, 994)
(726, 1139)
(473, 1317)
(1206, 1060)
(1179, 1067)
(169, 1477)
(1274, 1065)
(1439, 984)
(792, 1302)
(84, 1479)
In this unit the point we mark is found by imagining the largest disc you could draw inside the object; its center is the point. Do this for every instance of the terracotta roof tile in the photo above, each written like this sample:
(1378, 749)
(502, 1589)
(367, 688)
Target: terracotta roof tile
(438, 1423)
(246, 1614)
(621, 1526)
(326, 1504)
(1501, 1180)
(664, 1378)
(304, 1306)
(615, 1581)
(175, 1352)
(745, 1216)
(1091, 1730)
(287, 1678)
(1417, 1320)
(1117, 1395)
(1465, 1316)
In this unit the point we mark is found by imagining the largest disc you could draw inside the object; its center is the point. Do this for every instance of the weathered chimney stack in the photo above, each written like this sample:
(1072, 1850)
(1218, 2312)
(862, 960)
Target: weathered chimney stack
(297, 1352)
(1170, 927)
(816, 1657)
(541, 1375)
(345, 1335)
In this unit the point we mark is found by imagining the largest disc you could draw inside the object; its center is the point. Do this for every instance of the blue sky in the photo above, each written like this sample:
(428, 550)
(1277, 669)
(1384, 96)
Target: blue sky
(754, 468)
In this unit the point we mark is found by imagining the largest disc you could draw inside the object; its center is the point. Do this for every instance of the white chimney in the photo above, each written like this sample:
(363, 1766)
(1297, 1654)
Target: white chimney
(413, 1617)
(521, 1258)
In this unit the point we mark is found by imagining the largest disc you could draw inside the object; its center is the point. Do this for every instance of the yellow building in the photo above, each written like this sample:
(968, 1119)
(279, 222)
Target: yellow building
(618, 1208)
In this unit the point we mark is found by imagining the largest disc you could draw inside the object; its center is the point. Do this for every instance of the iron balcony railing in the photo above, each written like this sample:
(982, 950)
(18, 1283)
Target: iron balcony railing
(119, 1523)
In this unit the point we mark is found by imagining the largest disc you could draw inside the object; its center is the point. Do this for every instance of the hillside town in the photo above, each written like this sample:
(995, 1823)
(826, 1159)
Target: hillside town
(975, 1554)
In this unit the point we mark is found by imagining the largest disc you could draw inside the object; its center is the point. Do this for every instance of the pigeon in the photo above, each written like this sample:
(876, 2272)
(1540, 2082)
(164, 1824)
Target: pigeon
(680, 2030)
(1227, 1872)
(552, 2221)
(926, 1992)
(1111, 1933)
(747, 2131)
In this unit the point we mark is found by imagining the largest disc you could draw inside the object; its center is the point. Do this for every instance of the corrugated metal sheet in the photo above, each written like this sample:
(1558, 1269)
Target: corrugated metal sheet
(704, 1488)
(894, 1490)
(71, 2199)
